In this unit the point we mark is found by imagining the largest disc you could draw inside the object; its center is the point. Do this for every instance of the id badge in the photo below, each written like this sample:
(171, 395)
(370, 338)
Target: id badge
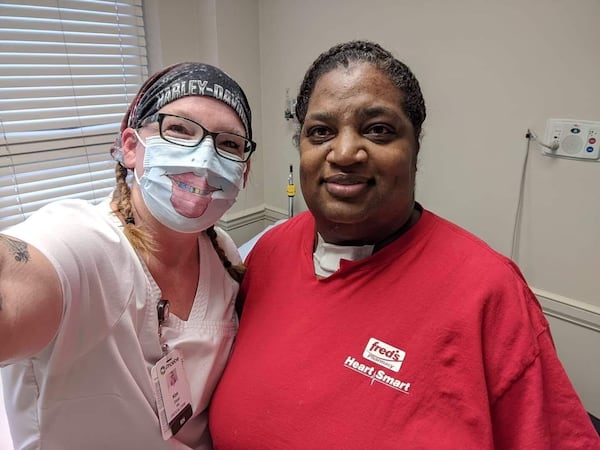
(172, 393)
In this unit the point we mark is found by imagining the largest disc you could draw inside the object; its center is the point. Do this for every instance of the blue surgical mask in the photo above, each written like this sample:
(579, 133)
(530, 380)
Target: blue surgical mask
(188, 189)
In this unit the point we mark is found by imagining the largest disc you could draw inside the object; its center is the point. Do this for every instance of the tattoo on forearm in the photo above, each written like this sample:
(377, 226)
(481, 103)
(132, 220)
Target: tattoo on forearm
(17, 248)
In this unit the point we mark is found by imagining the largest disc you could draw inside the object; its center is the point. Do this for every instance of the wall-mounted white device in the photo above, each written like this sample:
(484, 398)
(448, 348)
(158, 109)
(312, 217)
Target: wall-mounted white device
(289, 112)
(578, 139)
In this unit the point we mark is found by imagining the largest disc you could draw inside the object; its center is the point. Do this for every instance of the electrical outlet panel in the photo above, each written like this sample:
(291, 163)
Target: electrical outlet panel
(578, 139)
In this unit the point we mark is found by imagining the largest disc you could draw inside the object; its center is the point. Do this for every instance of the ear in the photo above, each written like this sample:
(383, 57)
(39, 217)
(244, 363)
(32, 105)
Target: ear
(129, 145)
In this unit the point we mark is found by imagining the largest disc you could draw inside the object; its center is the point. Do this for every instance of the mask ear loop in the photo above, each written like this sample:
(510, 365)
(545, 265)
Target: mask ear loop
(139, 138)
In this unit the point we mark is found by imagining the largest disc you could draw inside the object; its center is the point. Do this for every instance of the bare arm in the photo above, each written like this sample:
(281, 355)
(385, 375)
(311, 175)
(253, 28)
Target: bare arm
(30, 299)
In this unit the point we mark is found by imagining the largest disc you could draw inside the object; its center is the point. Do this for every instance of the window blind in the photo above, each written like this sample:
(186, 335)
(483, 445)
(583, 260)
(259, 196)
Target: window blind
(68, 71)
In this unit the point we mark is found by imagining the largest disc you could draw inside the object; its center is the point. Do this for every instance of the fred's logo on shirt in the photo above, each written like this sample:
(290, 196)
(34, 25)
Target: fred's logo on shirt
(385, 355)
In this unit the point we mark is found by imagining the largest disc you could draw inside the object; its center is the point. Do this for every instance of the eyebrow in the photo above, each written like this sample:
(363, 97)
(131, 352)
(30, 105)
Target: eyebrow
(369, 113)
(320, 116)
(366, 113)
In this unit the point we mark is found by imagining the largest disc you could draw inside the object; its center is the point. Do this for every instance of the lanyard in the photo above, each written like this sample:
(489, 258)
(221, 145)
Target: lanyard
(162, 308)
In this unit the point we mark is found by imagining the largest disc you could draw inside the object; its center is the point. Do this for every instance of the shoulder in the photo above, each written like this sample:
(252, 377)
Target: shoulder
(457, 236)
(486, 280)
(73, 232)
(65, 214)
(494, 274)
(454, 244)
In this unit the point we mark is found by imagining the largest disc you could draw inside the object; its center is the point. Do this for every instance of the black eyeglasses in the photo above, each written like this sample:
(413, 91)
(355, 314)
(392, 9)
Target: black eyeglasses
(187, 133)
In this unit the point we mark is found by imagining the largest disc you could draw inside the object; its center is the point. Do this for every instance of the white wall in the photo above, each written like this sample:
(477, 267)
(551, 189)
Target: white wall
(489, 71)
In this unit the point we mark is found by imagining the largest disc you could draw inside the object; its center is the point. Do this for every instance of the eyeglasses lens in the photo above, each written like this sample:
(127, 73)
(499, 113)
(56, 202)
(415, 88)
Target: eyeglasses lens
(185, 132)
(181, 131)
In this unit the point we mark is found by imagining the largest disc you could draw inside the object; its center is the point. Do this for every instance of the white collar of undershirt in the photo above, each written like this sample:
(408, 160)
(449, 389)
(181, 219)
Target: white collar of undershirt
(326, 257)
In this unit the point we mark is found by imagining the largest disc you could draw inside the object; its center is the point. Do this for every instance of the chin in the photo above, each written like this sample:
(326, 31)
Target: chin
(344, 215)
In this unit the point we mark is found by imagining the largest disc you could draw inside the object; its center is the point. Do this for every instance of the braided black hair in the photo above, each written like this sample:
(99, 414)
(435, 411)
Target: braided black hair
(235, 271)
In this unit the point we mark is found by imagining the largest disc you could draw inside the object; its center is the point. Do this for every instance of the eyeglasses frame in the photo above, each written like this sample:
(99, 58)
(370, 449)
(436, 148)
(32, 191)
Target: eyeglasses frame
(159, 117)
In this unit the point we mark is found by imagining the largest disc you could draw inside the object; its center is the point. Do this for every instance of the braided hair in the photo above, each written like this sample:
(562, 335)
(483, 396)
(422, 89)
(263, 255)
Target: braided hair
(365, 52)
(235, 271)
(138, 236)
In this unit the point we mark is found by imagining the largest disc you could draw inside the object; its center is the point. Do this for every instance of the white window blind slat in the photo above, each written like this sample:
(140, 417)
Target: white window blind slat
(33, 81)
(17, 46)
(68, 71)
(66, 23)
(32, 104)
(33, 36)
(45, 92)
(77, 72)
(75, 115)
(19, 59)
(43, 187)
(29, 143)
(73, 121)
(91, 6)
(64, 157)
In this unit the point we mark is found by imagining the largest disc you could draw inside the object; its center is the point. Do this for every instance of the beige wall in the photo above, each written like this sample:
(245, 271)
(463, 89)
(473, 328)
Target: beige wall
(489, 71)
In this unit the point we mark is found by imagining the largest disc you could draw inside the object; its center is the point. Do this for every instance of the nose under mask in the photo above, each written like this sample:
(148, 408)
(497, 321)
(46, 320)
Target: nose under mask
(188, 189)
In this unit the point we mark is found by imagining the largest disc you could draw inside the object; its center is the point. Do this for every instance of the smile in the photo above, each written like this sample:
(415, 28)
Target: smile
(192, 189)
(348, 179)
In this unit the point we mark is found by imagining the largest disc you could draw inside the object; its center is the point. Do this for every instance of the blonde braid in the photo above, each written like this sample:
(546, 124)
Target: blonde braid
(138, 237)
(235, 271)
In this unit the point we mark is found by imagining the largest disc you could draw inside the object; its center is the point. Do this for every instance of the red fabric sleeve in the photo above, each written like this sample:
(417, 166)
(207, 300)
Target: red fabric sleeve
(541, 410)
